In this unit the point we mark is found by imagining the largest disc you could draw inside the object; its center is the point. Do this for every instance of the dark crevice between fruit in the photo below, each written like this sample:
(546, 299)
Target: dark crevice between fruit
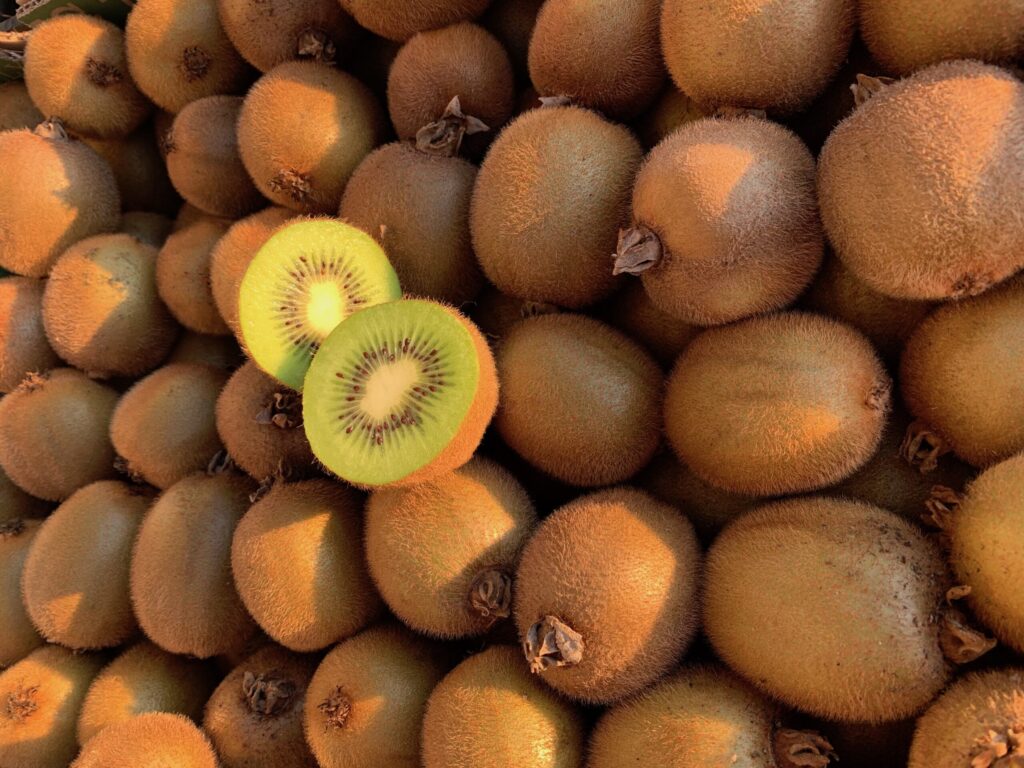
(554, 101)
(268, 695)
(316, 44)
(444, 137)
(1000, 749)
(11, 528)
(867, 86)
(298, 186)
(124, 467)
(802, 749)
(21, 703)
(102, 74)
(639, 249)
(490, 595)
(961, 643)
(283, 410)
(537, 308)
(552, 643)
(735, 113)
(922, 447)
(195, 63)
(220, 463)
(336, 708)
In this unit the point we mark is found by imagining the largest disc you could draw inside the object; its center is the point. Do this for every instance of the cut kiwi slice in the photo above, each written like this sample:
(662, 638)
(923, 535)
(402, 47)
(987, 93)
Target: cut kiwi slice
(308, 277)
(399, 393)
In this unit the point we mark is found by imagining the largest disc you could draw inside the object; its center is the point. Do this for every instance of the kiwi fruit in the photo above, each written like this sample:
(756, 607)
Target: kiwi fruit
(305, 598)
(866, 589)
(188, 215)
(16, 108)
(178, 52)
(495, 312)
(260, 424)
(23, 345)
(725, 221)
(254, 717)
(416, 205)
(512, 22)
(400, 20)
(399, 394)
(56, 191)
(221, 352)
(580, 399)
(780, 404)
(183, 275)
(42, 695)
(303, 129)
(548, 203)
(15, 503)
(101, 309)
(621, 76)
(54, 435)
(140, 172)
(631, 311)
(152, 740)
(271, 33)
(75, 70)
(366, 700)
(915, 184)
(443, 553)
(150, 228)
(181, 585)
(18, 636)
(144, 679)
(164, 427)
(707, 49)
(490, 712)
(961, 377)
(303, 281)
(673, 109)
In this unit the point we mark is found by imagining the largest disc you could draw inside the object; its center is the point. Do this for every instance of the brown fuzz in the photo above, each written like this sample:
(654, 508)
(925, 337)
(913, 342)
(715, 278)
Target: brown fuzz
(268, 694)
(552, 643)
(802, 749)
(444, 137)
(639, 249)
(867, 86)
(922, 448)
(491, 594)
(336, 708)
(961, 643)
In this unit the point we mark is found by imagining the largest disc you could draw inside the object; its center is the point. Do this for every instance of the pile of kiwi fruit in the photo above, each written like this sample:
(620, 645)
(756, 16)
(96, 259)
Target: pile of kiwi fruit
(507, 383)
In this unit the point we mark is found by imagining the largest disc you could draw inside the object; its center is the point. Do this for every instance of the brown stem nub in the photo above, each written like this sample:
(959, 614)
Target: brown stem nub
(298, 186)
(284, 411)
(867, 86)
(960, 642)
(262, 489)
(999, 749)
(922, 447)
(639, 249)
(802, 749)
(195, 63)
(11, 528)
(317, 45)
(102, 73)
(732, 113)
(552, 643)
(268, 695)
(491, 594)
(336, 708)
(880, 396)
(444, 137)
(941, 507)
(970, 285)
(220, 463)
(52, 128)
(21, 702)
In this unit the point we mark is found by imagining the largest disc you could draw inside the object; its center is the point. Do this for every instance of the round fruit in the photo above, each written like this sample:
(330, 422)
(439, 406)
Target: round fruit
(495, 312)
(18, 637)
(150, 228)
(400, 20)
(672, 110)
(632, 312)
(140, 172)
(152, 740)
(183, 274)
(512, 22)
(23, 345)
(221, 352)
(16, 108)
(15, 503)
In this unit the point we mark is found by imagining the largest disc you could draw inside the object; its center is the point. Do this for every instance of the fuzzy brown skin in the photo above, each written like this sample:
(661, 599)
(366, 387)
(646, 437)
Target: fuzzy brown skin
(18, 637)
(140, 171)
(365, 703)
(254, 718)
(512, 22)
(101, 309)
(23, 344)
(490, 712)
(621, 569)
(401, 19)
(960, 374)
(56, 192)
(15, 503)
(164, 427)
(221, 352)
(580, 400)
(780, 404)
(549, 201)
(733, 204)
(417, 207)
(54, 435)
(800, 47)
(915, 185)
(16, 108)
(858, 583)
(75, 69)
(632, 312)
(183, 275)
(178, 52)
(495, 313)
(150, 228)
(904, 39)
(615, 66)
(303, 130)
(672, 110)
(149, 741)
(181, 585)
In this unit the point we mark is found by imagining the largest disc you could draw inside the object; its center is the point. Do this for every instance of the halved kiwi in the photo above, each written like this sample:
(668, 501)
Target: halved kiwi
(149, 741)
(399, 393)
(308, 277)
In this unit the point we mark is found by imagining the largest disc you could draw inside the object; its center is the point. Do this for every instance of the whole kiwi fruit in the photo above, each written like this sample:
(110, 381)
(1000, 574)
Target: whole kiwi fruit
(140, 172)
(672, 110)
(16, 108)
(512, 22)
(151, 228)
(400, 20)
(23, 345)
(15, 503)
(183, 274)
(151, 740)
(18, 636)
(631, 310)
(221, 352)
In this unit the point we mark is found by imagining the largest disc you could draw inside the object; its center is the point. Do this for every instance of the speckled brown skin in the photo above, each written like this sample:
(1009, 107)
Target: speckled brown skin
(75, 70)
(221, 352)
(183, 275)
(303, 129)
(960, 374)
(490, 712)
(801, 45)
(512, 22)
(152, 740)
(140, 171)
(150, 228)
(101, 309)
(733, 204)
(580, 400)
(401, 19)
(23, 344)
(18, 637)
(859, 584)
(247, 735)
(779, 404)
(915, 184)
(178, 52)
(16, 108)
(632, 312)
(621, 569)
(549, 201)
(904, 39)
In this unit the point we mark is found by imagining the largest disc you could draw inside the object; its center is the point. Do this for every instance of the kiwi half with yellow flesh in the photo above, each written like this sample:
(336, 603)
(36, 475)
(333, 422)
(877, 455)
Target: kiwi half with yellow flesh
(18, 636)
(304, 280)
(16, 108)
(24, 347)
(399, 393)
(151, 740)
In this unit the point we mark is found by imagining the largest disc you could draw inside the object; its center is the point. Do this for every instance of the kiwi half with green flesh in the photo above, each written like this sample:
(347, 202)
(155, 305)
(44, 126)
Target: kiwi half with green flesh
(150, 228)
(75, 70)
(16, 108)
(303, 129)
(140, 172)
(18, 636)
(304, 280)
(549, 200)
(183, 274)
(56, 191)
(144, 679)
(181, 585)
(725, 221)
(443, 553)
(906, 202)
(365, 703)
(512, 22)
(151, 740)
(221, 352)
(632, 312)
(399, 393)
(400, 20)
(66, 403)
(164, 427)
(672, 110)
(254, 717)
(101, 309)
(490, 712)
(24, 347)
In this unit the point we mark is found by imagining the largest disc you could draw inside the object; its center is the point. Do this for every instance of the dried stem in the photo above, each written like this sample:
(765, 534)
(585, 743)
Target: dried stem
(317, 45)
(867, 86)
(552, 643)
(639, 249)
(922, 447)
(336, 708)
(802, 749)
(444, 137)
(490, 595)
(268, 694)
